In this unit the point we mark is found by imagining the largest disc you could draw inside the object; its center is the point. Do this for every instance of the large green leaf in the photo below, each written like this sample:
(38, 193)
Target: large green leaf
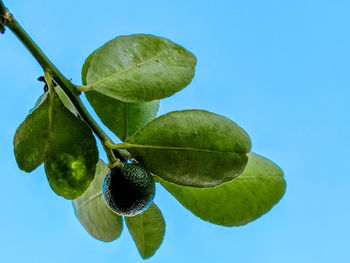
(239, 202)
(71, 157)
(122, 118)
(191, 148)
(147, 230)
(94, 214)
(30, 141)
(139, 68)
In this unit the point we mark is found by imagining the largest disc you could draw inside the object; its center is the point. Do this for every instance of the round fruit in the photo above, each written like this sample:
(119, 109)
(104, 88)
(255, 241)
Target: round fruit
(128, 189)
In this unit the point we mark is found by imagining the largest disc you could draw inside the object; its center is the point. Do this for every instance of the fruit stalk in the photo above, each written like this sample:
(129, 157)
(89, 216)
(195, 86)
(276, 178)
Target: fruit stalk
(7, 19)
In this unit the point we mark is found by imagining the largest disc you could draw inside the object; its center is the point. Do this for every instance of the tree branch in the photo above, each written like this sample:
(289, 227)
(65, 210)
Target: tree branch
(2, 8)
(3, 11)
(69, 88)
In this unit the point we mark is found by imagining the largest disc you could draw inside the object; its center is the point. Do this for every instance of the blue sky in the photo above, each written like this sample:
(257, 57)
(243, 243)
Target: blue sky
(280, 69)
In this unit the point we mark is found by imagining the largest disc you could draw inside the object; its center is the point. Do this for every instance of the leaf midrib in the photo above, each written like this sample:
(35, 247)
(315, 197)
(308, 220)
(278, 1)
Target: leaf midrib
(91, 198)
(125, 122)
(51, 98)
(143, 235)
(175, 148)
(91, 86)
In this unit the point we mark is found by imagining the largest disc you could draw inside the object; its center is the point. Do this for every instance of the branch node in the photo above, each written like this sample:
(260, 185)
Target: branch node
(115, 164)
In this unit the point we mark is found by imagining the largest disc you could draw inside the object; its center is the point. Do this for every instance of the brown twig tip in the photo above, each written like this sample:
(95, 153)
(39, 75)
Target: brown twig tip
(5, 17)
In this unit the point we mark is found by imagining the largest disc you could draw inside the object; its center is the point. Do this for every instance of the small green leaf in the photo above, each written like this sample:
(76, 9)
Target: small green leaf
(139, 68)
(122, 118)
(41, 99)
(191, 148)
(72, 154)
(30, 141)
(239, 202)
(66, 101)
(147, 230)
(94, 214)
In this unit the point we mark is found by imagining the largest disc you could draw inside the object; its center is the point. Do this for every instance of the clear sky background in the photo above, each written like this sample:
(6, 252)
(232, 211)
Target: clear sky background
(280, 69)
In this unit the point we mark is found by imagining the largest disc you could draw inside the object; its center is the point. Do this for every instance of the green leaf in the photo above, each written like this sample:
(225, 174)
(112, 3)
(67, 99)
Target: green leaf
(86, 67)
(94, 214)
(72, 154)
(139, 68)
(41, 99)
(66, 101)
(63, 97)
(191, 148)
(122, 118)
(147, 230)
(31, 138)
(53, 134)
(239, 202)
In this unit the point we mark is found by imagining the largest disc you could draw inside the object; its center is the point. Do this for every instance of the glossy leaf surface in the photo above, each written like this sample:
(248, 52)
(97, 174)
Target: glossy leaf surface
(147, 230)
(192, 148)
(139, 68)
(94, 214)
(239, 202)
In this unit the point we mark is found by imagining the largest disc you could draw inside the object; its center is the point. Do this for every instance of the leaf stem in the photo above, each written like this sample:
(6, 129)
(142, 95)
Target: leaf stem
(7, 19)
(159, 147)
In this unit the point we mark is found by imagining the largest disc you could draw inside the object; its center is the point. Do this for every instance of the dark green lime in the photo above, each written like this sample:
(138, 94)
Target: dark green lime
(128, 189)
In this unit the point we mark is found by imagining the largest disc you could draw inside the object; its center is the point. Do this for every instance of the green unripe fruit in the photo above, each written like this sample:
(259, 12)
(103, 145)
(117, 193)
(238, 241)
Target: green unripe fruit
(128, 189)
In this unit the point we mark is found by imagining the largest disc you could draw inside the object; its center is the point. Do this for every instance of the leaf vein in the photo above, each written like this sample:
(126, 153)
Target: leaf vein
(91, 198)
(91, 86)
(175, 148)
